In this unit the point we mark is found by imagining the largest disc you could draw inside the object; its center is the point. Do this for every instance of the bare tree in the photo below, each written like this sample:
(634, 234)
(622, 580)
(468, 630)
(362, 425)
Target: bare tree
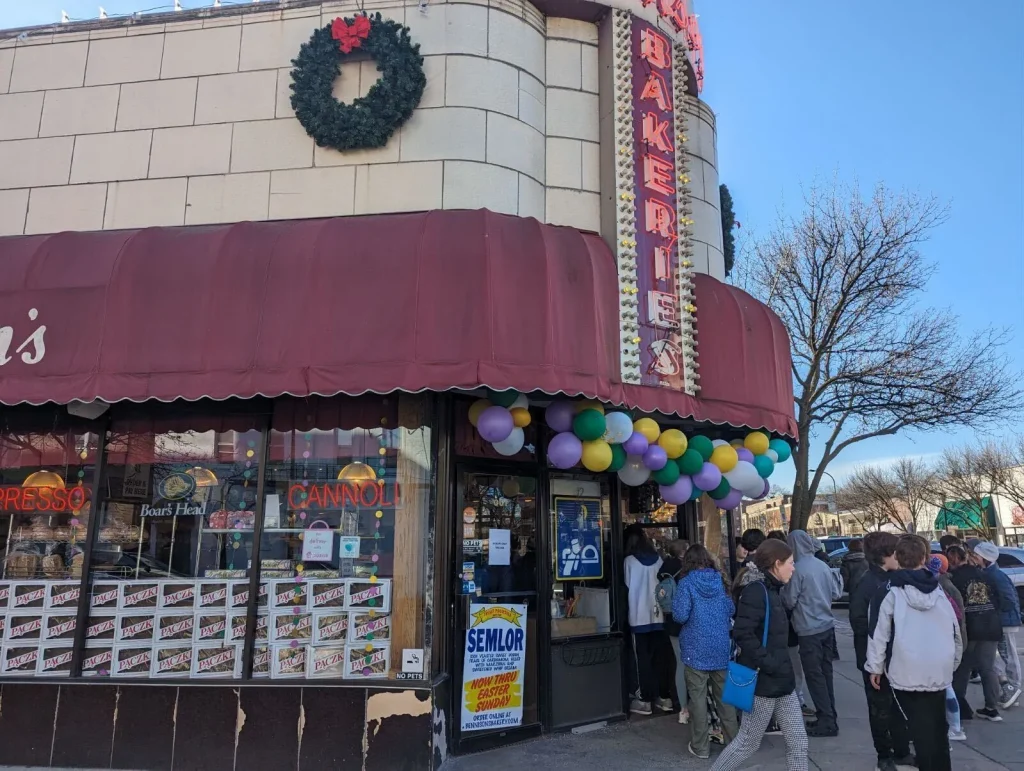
(846, 278)
(901, 495)
(965, 477)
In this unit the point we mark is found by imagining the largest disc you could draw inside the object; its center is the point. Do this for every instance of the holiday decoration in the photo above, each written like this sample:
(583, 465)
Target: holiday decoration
(648, 428)
(756, 442)
(597, 455)
(673, 442)
(589, 425)
(618, 457)
(370, 120)
(565, 450)
(781, 448)
(559, 416)
(702, 445)
(690, 462)
(637, 444)
(725, 457)
(618, 427)
(634, 473)
(506, 399)
(495, 424)
(667, 474)
(476, 408)
(512, 444)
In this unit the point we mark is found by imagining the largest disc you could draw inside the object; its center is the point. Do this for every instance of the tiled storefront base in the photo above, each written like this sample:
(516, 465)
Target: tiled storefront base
(198, 727)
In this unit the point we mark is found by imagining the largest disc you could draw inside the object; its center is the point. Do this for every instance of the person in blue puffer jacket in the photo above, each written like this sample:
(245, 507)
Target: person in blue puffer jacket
(703, 607)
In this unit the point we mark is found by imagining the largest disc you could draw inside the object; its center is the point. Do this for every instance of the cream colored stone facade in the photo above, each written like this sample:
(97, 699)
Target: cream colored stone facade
(185, 119)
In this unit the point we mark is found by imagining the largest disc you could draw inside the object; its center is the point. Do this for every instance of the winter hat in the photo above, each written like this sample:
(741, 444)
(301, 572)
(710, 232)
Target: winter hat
(987, 551)
(938, 564)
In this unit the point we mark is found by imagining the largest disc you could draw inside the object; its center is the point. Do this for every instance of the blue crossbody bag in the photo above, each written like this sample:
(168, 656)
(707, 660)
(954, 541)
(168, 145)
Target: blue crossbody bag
(741, 681)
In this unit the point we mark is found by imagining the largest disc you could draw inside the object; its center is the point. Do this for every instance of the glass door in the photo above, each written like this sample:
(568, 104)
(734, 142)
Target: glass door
(496, 560)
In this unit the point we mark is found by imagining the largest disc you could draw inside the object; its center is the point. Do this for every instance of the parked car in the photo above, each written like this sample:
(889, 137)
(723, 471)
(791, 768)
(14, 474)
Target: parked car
(834, 542)
(1011, 560)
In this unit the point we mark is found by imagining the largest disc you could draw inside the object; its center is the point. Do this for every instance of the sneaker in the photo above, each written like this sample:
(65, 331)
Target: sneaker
(665, 705)
(989, 714)
(885, 764)
(717, 737)
(975, 678)
(692, 751)
(821, 732)
(639, 707)
(1010, 696)
(906, 763)
(807, 711)
(957, 736)
(684, 716)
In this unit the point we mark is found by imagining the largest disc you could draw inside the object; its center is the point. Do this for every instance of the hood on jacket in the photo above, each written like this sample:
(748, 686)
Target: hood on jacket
(750, 575)
(647, 559)
(802, 544)
(706, 583)
(854, 556)
(919, 587)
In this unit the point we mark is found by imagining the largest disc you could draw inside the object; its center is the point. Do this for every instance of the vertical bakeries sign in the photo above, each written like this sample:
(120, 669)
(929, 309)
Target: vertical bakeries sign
(657, 228)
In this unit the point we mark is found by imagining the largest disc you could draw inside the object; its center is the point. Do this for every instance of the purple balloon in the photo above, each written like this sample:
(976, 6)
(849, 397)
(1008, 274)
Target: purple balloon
(708, 478)
(677, 493)
(655, 458)
(637, 444)
(559, 415)
(495, 424)
(731, 501)
(565, 450)
(745, 454)
(764, 493)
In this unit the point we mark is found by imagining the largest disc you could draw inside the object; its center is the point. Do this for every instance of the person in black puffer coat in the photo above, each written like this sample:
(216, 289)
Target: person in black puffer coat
(775, 692)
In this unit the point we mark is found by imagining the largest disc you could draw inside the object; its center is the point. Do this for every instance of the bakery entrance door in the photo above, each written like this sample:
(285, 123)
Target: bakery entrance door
(496, 555)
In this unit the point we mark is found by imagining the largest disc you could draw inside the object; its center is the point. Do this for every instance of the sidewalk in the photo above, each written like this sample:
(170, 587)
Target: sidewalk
(660, 743)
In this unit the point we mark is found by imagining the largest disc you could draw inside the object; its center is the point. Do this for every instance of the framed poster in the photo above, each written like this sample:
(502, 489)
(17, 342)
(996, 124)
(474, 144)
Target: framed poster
(579, 545)
(494, 667)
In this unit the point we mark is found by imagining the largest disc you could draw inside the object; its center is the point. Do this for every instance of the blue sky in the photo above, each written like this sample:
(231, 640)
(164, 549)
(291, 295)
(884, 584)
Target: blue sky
(923, 94)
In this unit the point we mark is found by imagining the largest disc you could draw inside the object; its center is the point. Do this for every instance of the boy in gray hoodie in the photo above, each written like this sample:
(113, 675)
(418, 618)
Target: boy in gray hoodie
(810, 594)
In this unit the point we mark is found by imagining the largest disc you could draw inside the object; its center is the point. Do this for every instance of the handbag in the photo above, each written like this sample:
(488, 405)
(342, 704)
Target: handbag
(741, 681)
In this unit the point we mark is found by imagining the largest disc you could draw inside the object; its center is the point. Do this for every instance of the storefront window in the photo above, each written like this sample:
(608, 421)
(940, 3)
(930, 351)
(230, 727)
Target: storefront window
(169, 562)
(581, 532)
(46, 477)
(342, 556)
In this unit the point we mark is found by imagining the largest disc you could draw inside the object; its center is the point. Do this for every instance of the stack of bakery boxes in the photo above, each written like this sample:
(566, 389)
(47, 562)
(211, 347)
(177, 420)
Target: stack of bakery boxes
(315, 628)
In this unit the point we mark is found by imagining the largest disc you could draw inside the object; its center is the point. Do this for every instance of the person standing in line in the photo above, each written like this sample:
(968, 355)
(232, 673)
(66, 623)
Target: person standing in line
(854, 565)
(806, 704)
(888, 726)
(672, 569)
(916, 644)
(948, 540)
(810, 594)
(703, 608)
(939, 567)
(987, 555)
(984, 631)
(646, 625)
(775, 691)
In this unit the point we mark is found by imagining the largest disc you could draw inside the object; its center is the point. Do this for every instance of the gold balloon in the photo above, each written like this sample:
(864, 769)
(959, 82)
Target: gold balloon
(756, 442)
(520, 417)
(648, 428)
(589, 404)
(673, 442)
(597, 455)
(476, 408)
(724, 456)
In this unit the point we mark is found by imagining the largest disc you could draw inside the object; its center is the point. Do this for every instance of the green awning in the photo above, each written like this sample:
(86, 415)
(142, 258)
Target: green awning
(966, 515)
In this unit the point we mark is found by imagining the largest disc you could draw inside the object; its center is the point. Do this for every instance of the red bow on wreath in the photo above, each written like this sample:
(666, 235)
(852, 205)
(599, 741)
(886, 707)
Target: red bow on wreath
(352, 35)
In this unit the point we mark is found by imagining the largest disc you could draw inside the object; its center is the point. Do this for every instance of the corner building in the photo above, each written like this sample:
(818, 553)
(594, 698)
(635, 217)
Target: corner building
(245, 517)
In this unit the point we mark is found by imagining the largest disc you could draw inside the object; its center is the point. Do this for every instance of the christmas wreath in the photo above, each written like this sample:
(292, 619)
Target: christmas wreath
(370, 120)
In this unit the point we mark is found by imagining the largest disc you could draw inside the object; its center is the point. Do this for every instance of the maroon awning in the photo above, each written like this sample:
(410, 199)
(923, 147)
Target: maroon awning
(436, 300)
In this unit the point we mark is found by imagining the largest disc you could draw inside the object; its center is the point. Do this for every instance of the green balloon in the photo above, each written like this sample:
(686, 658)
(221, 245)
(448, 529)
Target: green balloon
(782, 449)
(702, 445)
(697, 493)
(589, 425)
(618, 457)
(503, 398)
(764, 466)
(721, 491)
(667, 475)
(690, 462)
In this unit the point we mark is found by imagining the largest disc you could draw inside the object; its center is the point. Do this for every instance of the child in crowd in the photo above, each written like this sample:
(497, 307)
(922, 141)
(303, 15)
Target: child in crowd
(919, 624)
(703, 608)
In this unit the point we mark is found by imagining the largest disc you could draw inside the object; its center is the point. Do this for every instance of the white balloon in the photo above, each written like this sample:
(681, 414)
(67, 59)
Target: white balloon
(634, 473)
(511, 445)
(769, 453)
(718, 442)
(521, 401)
(755, 489)
(619, 427)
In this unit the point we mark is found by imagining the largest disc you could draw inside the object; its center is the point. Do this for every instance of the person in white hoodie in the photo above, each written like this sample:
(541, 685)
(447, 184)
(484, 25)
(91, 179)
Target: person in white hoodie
(917, 645)
(652, 655)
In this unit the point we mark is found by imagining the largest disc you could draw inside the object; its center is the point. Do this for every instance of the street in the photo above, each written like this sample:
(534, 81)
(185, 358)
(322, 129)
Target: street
(660, 743)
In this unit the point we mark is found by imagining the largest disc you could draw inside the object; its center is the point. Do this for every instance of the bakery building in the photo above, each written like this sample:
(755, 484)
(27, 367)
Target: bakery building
(324, 401)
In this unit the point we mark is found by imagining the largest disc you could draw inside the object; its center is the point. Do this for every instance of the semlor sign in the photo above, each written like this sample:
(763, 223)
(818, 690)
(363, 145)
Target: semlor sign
(661, 353)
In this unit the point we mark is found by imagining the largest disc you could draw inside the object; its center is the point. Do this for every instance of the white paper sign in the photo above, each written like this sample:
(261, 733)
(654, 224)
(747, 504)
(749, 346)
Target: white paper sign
(317, 545)
(272, 511)
(494, 668)
(500, 552)
(348, 547)
(412, 660)
(136, 481)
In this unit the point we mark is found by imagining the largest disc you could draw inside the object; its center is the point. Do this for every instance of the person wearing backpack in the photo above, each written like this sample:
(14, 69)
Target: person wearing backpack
(651, 657)
(916, 644)
(703, 608)
(668, 577)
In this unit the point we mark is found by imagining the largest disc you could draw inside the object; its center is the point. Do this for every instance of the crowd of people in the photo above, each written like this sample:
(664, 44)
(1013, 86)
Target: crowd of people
(924, 626)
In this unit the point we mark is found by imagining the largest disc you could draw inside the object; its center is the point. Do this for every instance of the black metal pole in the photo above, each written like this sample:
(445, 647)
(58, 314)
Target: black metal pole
(255, 562)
